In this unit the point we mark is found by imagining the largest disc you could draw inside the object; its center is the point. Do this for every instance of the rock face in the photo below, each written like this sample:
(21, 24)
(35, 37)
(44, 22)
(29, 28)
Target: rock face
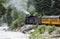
(26, 29)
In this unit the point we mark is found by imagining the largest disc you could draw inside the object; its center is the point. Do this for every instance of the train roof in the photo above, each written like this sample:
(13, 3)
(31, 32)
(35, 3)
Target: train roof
(50, 16)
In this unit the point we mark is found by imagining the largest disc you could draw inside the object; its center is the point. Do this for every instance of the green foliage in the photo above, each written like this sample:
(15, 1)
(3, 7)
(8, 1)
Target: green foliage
(35, 35)
(21, 18)
(2, 10)
(41, 28)
(32, 11)
(8, 19)
(8, 16)
(50, 28)
(14, 24)
(2, 1)
(35, 32)
(43, 6)
(47, 7)
(19, 21)
(25, 4)
(13, 18)
(34, 26)
(14, 14)
(58, 31)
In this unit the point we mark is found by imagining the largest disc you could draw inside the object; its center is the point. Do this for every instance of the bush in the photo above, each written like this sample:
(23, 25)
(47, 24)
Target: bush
(19, 21)
(35, 35)
(35, 32)
(34, 26)
(50, 28)
(41, 28)
(58, 31)
(14, 24)
(14, 14)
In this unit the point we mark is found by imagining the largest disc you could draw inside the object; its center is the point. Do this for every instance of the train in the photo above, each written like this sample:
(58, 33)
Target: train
(50, 20)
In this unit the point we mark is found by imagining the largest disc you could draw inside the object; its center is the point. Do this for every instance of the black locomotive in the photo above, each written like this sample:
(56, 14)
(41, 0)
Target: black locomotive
(32, 20)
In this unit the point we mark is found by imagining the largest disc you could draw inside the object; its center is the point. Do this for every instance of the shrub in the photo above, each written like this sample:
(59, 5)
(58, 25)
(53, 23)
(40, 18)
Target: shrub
(35, 32)
(19, 21)
(14, 14)
(14, 24)
(58, 31)
(41, 28)
(34, 26)
(35, 35)
(50, 28)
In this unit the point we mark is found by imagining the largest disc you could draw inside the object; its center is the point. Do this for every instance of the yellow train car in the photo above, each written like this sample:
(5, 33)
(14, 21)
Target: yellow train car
(50, 20)
(55, 20)
(45, 20)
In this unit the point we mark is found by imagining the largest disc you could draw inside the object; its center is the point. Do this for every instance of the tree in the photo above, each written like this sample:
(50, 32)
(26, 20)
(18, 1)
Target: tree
(2, 1)
(14, 14)
(19, 21)
(8, 16)
(43, 6)
(57, 7)
(2, 8)
(31, 8)
(47, 7)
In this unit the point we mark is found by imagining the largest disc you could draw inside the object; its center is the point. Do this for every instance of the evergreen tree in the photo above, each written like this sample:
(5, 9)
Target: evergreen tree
(48, 7)
(2, 8)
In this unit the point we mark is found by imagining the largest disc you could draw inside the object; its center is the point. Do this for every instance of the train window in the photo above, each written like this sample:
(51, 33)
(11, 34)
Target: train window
(45, 19)
(54, 19)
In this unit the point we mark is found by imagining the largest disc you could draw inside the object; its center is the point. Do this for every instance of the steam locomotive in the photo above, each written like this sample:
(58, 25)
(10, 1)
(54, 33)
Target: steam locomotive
(32, 20)
(55, 20)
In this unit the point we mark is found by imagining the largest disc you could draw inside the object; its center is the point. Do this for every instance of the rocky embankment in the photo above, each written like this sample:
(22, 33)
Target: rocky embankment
(6, 34)
(26, 29)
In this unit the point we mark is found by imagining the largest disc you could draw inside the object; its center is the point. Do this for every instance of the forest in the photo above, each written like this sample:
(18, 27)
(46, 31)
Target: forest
(11, 15)
(14, 12)
(15, 18)
(42, 7)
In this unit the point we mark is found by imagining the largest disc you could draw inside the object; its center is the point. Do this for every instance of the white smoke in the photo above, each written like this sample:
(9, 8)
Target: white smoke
(18, 4)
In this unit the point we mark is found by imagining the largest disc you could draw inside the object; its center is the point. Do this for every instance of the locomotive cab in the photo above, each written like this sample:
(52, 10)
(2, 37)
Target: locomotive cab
(32, 20)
